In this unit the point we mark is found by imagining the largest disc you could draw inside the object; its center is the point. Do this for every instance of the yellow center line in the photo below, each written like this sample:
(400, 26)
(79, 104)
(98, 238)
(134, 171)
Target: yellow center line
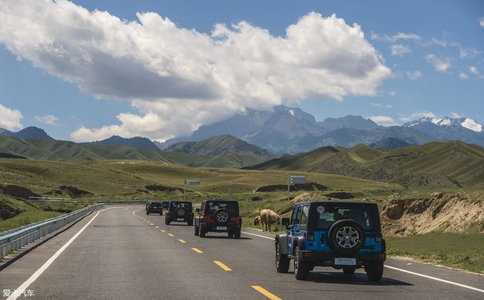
(162, 230)
(181, 241)
(265, 292)
(170, 234)
(152, 224)
(220, 264)
(157, 226)
(197, 250)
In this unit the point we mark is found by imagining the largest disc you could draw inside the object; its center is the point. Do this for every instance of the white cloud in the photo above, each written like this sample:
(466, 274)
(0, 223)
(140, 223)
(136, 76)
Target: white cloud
(381, 105)
(383, 120)
(417, 116)
(396, 37)
(10, 118)
(481, 22)
(440, 65)
(468, 53)
(400, 50)
(473, 70)
(414, 75)
(463, 75)
(50, 120)
(179, 79)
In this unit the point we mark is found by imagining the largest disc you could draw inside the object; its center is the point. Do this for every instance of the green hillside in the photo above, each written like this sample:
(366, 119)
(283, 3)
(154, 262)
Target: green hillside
(226, 152)
(451, 165)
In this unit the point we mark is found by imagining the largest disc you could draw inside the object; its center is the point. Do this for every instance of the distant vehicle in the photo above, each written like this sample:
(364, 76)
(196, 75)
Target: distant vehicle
(179, 211)
(218, 215)
(154, 207)
(165, 204)
(342, 235)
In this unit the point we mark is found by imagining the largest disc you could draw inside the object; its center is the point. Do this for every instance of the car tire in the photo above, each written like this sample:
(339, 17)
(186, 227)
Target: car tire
(237, 233)
(282, 261)
(346, 237)
(374, 271)
(222, 217)
(230, 234)
(147, 212)
(180, 212)
(190, 223)
(167, 221)
(202, 232)
(197, 231)
(301, 267)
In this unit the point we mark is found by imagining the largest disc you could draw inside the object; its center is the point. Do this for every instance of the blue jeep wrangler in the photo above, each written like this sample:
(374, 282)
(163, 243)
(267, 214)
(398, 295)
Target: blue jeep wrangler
(342, 235)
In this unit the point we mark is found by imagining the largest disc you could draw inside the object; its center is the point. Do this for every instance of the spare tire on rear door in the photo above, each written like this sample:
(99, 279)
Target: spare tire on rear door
(221, 217)
(346, 237)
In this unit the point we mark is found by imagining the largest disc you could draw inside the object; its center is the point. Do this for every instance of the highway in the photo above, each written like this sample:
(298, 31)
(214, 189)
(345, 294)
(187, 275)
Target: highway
(121, 253)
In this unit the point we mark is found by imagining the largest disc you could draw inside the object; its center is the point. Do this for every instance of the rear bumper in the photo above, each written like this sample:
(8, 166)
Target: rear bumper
(219, 228)
(323, 258)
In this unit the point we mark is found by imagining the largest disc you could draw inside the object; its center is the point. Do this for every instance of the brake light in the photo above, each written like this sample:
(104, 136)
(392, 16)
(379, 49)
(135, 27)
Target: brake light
(310, 236)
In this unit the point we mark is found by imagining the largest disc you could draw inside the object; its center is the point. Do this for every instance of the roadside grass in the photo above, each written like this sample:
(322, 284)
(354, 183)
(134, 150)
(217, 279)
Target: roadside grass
(462, 251)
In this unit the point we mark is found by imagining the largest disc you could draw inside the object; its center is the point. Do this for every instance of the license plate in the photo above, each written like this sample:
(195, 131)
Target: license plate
(345, 261)
(180, 219)
(221, 227)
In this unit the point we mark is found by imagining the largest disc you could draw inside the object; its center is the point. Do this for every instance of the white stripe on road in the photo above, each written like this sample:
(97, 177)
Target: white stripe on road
(262, 236)
(437, 279)
(401, 270)
(19, 291)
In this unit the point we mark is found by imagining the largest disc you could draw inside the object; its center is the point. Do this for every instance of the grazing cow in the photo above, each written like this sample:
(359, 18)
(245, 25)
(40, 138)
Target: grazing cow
(267, 218)
(257, 221)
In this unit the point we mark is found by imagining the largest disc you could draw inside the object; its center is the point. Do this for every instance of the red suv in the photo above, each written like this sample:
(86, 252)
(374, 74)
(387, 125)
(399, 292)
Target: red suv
(218, 215)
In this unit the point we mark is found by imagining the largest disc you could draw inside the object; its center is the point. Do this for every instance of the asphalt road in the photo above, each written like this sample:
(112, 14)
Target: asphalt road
(121, 253)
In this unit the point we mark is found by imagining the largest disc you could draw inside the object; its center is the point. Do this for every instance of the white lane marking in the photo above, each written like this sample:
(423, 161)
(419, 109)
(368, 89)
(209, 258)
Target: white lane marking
(437, 279)
(26, 284)
(401, 270)
(262, 236)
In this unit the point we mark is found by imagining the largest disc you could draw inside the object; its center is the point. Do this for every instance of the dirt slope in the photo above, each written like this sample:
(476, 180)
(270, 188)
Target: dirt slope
(459, 212)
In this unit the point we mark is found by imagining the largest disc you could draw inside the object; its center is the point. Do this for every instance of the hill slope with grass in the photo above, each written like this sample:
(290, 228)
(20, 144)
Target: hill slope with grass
(451, 165)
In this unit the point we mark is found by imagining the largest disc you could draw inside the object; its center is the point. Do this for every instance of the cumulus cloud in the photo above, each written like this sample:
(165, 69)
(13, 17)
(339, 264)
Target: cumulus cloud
(417, 116)
(440, 65)
(400, 50)
(481, 22)
(383, 120)
(50, 120)
(10, 118)
(414, 75)
(179, 79)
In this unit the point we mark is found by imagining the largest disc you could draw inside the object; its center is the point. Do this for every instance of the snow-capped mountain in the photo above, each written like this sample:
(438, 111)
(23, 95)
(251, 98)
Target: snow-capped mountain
(448, 129)
(467, 123)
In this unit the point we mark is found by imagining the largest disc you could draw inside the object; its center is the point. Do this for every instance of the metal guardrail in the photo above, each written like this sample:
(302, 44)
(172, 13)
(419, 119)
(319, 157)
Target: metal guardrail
(17, 238)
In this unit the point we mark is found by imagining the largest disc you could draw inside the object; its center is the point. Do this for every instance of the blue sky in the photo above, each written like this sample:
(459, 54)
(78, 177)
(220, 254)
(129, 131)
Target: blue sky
(85, 70)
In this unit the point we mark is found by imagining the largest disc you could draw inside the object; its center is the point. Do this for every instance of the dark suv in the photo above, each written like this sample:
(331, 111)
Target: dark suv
(179, 211)
(342, 235)
(218, 215)
(154, 207)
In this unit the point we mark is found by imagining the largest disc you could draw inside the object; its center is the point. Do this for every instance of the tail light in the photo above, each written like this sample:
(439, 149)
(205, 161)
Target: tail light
(310, 236)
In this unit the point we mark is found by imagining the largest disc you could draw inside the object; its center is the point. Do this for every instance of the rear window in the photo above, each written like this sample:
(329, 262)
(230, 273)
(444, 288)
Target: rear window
(213, 206)
(327, 215)
(186, 205)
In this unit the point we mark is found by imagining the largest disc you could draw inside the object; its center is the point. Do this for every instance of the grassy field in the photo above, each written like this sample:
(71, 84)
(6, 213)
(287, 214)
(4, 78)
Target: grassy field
(456, 250)
(105, 180)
